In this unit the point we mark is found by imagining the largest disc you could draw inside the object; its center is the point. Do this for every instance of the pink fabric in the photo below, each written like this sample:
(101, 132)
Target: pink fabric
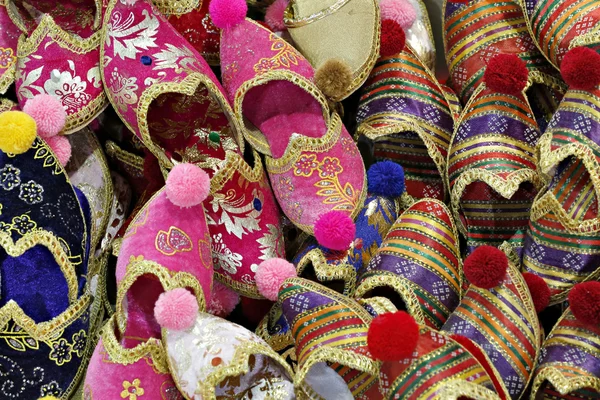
(9, 36)
(173, 237)
(107, 380)
(243, 216)
(269, 53)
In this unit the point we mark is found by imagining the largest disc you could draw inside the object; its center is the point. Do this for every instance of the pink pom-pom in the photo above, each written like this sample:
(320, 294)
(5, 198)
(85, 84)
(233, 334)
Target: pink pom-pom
(176, 309)
(48, 113)
(271, 274)
(223, 300)
(61, 146)
(187, 185)
(401, 11)
(274, 15)
(335, 230)
(227, 13)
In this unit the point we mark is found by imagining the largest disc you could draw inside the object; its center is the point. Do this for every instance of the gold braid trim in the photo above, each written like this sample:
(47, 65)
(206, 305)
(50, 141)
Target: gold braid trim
(455, 389)
(561, 383)
(278, 342)
(47, 330)
(114, 151)
(169, 280)
(7, 79)
(328, 272)
(380, 305)
(52, 243)
(6, 104)
(234, 162)
(177, 7)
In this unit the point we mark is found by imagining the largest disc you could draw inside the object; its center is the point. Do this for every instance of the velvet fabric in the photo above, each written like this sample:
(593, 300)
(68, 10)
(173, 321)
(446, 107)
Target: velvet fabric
(9, 36)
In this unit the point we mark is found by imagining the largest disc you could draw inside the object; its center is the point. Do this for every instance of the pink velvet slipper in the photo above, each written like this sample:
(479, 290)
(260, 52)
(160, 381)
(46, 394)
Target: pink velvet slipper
(313, 164)
(58, 55)
(165, 92)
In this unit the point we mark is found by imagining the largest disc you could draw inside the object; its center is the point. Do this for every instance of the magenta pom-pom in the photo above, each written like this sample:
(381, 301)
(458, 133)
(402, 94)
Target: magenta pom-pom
(271, 274)
(227, 13)
(274, 15)
(401, 11)
(335, 230)
(61, 146)
(176, 309)
(48, 113)
(187, 185)
(223, 300)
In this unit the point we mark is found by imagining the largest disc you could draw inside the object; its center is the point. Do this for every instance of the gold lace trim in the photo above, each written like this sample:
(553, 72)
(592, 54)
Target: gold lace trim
(278, 342)
(400, 285)
(177, 7)
(114, 151)
(120, 355)
(455, 389)
(245, 289)
(587, 39)
(5, 104)
(239, 365)
(53, 244)
(7, 79)
(328, 272)
(169, 280)
(187, 86)
(291, 21)
(234, 162)
(380, 305)
(561, 383)
(254, 136)
(44, 330)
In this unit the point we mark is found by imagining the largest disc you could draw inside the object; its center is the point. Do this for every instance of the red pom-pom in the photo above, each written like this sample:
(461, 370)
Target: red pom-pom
(176, 309)
(227, 13)
(584, 300)
(335, 230)
(478, 354)
(506, 73)
(486, 267)
(187, 185)
(392, 38)
(223, 300)
(580, 68)
(393, 336)
(271, 274)
(540, 292)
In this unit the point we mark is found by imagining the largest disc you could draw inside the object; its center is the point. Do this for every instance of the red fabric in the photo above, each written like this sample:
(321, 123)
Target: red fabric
(584, 300)
(540, 292)
(392, 38)
(506, 73)
(486, 267)
(393, 336)
(581, 68)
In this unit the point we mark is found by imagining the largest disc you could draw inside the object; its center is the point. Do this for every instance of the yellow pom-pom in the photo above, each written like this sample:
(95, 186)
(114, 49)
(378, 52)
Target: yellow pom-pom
(17, 132)
(48, 398)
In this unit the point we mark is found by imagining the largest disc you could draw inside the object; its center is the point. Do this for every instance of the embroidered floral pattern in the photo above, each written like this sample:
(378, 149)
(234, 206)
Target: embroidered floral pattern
(7, 57)
(79, 343)
(31, 192)
(285, 187)
(348, 146)
(51, 389)
(69, 88)
(305, 165)
(4, 227)
(330, 168)
(128, 38)
(23, 224)
(132, 390)
(223, 257)
(9, 177)
(122, 90)
(284, 58)
(238, 212)
(61, 352)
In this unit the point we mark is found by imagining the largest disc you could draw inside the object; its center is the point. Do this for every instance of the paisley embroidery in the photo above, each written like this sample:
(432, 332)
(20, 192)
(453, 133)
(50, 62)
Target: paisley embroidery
(239, 213)
(172, 242)
(130, 38)
(69, 88)
(139, 221)
(285, 56)
(122, 90)
(204, 248)
(179, 59)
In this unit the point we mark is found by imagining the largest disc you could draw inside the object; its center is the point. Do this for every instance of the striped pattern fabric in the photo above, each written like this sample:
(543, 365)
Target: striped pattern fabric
(563, 241)
(419, 260)
(437, 361)
(327, 324)
(492, 169)
(503, 322)
(558, 25)
(569, 362)
(476, 31)
(409, 117)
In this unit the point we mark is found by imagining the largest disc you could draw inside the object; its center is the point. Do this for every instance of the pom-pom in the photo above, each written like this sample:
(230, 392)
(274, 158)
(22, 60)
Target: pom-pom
(176, 309)
(392, 38)
(580, 68)
(274, 15)
(17, 132)
(486, 267)
(187, 185)
(540, 292)
(335, 230)
(401, 11)
(48, 398)
(333, 78)
(48, 113)
(271, 274)
(506, 73)
(227, 13)
(386, 178)
(61, 146)
(392, 336)
(584, 300)
(223, 300)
